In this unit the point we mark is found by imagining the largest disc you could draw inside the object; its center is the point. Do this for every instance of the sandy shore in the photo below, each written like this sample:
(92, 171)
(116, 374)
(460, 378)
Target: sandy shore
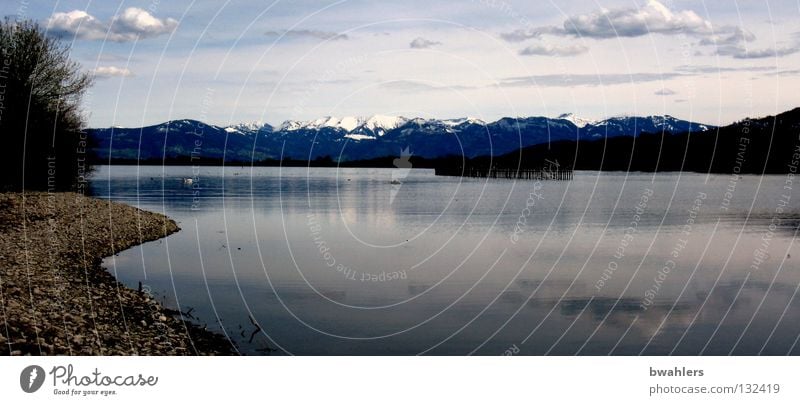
(55, 298)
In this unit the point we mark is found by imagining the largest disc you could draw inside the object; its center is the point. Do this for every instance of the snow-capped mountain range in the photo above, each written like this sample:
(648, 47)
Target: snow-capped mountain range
(380, 124)
(355, 138)
(354, 126)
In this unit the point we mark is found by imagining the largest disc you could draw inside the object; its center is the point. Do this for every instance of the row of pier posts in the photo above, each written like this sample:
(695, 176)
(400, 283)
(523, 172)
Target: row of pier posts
(505, 173)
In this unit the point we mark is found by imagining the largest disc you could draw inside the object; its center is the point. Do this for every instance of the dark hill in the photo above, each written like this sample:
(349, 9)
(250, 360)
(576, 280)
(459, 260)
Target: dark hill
(763, 145)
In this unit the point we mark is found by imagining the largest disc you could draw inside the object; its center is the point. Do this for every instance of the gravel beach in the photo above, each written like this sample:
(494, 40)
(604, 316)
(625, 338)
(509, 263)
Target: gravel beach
(56, 299)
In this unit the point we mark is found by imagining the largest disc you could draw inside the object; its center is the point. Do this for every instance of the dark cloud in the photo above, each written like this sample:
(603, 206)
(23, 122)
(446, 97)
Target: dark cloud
(422, 43)
(732, 41)
(522, 35)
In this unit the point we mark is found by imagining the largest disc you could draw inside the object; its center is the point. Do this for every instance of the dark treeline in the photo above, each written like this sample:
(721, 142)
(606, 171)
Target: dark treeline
(327, 161)
(765, 145)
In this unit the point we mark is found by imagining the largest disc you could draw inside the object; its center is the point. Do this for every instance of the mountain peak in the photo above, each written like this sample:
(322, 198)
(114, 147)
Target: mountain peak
(578, 121)
(244, 127)
(465, 120)
(377, 123)
(385, 122)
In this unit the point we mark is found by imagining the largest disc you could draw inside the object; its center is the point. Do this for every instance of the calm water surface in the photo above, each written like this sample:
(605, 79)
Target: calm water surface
(343, 261)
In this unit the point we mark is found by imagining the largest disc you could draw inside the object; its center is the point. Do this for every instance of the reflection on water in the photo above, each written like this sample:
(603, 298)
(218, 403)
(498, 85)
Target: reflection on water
(342, 261)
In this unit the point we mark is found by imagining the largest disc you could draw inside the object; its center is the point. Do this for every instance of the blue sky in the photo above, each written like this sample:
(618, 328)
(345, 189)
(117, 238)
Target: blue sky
(238, 61)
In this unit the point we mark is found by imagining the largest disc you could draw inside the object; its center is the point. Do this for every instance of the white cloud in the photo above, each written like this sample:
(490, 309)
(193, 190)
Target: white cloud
(653, 18)
(728, 36)
(665, 92)
(554, 50)
(132, 24)
(422, 43)
(111, 71)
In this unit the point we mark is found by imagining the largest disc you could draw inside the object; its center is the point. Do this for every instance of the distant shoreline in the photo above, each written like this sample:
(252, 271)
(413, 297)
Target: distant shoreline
(425, 166)
(58, 299)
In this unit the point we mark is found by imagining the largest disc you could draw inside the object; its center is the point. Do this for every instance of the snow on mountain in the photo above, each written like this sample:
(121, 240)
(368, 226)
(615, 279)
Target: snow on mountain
(177, 125)
(384, 122)
(321, 123)
(290, 125)
(350, 123)
(369, 137)
(578, 121)
(378, 124)
(453, 122)
(247, 127)
(359, 137)
(366, 128)
(252, 126)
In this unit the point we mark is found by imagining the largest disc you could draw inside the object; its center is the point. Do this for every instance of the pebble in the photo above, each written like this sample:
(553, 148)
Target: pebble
(74, 296)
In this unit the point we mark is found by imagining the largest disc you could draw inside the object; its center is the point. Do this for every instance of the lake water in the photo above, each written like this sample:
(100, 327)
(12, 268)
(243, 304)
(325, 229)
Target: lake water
(344, 262)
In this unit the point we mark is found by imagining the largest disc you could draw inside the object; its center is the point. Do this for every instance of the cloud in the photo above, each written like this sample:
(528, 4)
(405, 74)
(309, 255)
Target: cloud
(554, 50)
(787, 72)
(544, 80)
(568, 80)
(732, 41)
(111, 71)
(132, 24)
(653, 18)
(665, 92)
(308, 34)
(728, 36)
(522, 35)
(407, 85)
(765, 53)
(709, 69)
(422, 43)
(415, 86)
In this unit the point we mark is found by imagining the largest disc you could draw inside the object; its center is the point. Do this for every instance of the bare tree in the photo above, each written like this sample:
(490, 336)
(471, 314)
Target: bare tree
(41, 124)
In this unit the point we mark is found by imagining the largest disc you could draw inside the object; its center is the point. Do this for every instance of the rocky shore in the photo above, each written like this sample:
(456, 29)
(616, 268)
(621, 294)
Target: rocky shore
(56, 299)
